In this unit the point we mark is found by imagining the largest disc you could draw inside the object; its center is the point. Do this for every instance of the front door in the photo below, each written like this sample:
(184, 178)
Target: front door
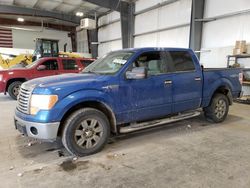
(51, 68)
(148, 98)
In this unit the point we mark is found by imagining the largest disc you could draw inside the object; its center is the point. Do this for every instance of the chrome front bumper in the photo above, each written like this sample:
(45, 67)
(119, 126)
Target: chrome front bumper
(44, 131)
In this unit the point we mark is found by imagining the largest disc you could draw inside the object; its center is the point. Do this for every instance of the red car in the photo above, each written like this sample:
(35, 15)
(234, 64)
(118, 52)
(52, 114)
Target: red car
(11, 79)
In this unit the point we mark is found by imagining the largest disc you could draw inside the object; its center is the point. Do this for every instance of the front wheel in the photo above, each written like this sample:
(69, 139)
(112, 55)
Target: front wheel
(13, 89)
(218, 109)
(85, 132)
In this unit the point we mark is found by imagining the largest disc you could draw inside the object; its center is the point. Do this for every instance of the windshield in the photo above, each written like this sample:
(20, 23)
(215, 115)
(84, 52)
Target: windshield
(110, 63)
(32, 64)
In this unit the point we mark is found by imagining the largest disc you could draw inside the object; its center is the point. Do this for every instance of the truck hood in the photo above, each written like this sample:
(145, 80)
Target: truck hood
(66, 83)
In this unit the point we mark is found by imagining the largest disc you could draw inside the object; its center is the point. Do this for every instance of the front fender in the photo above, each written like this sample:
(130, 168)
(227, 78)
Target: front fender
(62, 106)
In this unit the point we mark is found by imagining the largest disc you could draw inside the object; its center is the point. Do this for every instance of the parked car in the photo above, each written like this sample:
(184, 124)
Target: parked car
(124, 91)
(11, 79)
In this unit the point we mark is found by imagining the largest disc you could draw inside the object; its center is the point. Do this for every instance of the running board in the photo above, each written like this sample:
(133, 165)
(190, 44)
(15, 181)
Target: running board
(154, 123)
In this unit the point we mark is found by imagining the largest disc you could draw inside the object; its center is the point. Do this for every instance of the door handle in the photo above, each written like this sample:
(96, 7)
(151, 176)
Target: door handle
(168, 82)
(197, 79)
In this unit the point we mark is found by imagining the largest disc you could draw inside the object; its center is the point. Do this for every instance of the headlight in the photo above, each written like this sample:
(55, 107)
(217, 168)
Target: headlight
(42, 102)
(1, 77)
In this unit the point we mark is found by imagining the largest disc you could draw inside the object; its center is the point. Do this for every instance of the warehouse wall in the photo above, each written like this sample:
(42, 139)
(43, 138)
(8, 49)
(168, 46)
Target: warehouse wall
(161, 27)
(109, 33)
(25, 39)
(82, 41)
(164, 26)
(219, 36)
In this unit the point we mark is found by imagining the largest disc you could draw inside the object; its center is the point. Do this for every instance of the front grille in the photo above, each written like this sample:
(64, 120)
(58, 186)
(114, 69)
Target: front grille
(23, 99)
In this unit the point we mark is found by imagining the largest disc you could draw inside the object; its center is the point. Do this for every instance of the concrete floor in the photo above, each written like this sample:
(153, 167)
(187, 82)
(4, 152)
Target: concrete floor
(191, 153)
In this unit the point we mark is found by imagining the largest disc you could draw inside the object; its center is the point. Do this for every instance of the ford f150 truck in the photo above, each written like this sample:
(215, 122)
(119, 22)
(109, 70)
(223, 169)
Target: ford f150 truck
(124, 91)
(11, 79)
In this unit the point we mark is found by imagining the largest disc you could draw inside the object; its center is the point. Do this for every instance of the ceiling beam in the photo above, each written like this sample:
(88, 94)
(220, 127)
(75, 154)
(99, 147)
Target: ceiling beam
(7, 9)
(11, 22)
(109, 4)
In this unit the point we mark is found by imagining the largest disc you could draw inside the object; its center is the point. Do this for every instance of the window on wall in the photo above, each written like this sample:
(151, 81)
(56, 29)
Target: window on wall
(182, 61)
(69, 64)
(154, 62)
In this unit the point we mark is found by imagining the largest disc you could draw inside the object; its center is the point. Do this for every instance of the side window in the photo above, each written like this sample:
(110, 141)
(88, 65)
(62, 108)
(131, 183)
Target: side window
(85, 63)
(51, 64)
(153, 61)
(182, 61)
(69, 64)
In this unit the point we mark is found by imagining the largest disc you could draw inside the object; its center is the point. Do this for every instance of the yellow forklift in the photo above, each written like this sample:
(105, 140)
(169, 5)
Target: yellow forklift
(43, 48)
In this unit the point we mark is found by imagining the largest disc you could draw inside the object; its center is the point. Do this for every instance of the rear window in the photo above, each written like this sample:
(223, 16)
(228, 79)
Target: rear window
(182, 61)
(69, 64)
(85, 63)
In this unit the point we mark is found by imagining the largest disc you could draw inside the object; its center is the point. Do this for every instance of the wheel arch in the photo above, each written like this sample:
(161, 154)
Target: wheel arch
(226, 90)
(91, 104)
(10, 81)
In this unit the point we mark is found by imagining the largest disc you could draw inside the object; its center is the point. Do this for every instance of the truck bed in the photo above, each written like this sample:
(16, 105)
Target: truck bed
(213, 77)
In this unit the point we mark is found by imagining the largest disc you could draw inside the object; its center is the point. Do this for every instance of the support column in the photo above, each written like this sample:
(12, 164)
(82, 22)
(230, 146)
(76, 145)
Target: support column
(127, 11)
(93, 42)
(196, 25)
(72, 36)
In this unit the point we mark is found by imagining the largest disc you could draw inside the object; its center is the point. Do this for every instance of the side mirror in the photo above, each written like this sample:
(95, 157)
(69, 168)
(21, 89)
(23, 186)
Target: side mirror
(41, 67)
(136, 73)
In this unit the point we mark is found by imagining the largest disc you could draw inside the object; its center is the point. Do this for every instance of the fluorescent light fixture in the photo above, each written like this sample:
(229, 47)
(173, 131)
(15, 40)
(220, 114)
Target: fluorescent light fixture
(80, 14)
(20, 19)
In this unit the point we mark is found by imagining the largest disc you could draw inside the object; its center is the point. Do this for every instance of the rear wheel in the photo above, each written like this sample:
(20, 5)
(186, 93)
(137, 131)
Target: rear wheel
(14, 88)
(85, 132)
(218, 109)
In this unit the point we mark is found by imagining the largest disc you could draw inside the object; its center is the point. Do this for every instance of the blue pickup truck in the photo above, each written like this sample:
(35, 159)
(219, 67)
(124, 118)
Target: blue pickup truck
(124, 91)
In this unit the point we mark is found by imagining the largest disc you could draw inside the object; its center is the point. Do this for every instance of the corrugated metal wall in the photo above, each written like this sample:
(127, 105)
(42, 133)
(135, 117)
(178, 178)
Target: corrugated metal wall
(109, 33)
(82, 41)
(164, 26)
(160, 27)
(219, 36)
(168, 25)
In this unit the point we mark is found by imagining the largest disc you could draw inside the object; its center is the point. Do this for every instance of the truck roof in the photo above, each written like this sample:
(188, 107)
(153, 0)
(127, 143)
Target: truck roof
(155, 48)
(78, 58)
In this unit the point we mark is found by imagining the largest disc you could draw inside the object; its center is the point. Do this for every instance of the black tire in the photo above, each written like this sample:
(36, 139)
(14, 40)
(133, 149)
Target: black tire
(79, 132)
(13, 89)
(218, 109)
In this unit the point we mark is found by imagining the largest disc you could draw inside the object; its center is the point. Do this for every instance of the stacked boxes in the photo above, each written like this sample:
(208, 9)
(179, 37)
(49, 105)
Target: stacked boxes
(240, 47)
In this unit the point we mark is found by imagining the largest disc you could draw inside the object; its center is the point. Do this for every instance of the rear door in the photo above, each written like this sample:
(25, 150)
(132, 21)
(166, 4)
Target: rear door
(51, 68)
(187, 82)
(69, 66)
